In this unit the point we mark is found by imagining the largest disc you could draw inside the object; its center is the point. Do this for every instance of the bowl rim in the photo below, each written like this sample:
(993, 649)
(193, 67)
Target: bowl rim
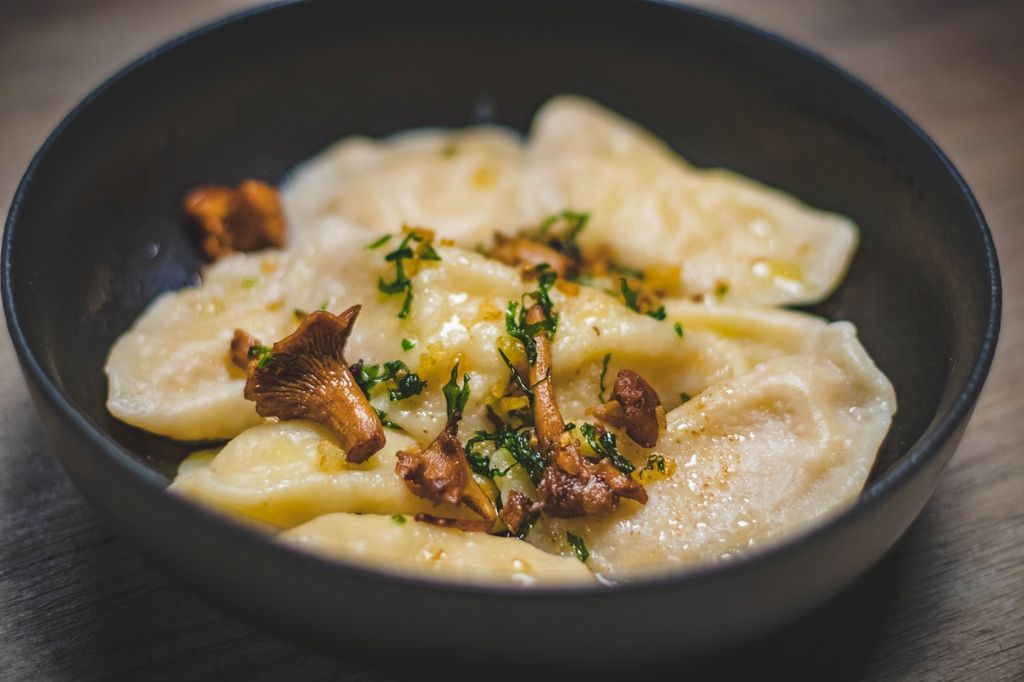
(926, 447)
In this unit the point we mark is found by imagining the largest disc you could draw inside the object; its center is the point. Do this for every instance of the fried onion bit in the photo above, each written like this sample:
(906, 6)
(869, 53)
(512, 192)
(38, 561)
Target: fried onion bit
(572, 485)
(305, 376)
(247, 218)
(635, 407)
(441, 473)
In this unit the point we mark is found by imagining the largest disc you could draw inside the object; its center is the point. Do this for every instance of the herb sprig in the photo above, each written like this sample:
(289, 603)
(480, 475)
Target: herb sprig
(579, 548)
(455, 396)
(631, 297)
(516, 442)
(424, 251)
(604, 445)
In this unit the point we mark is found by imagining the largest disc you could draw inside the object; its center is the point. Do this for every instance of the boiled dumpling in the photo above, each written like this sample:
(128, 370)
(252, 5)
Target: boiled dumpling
(729, 235)
(464, 184)
(287, 473)
(405, 546)
(748, 460)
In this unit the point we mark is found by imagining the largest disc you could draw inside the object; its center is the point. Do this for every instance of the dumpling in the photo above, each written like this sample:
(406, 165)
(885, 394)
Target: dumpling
(405, 546)
(283, 474)
(464, 183)
(170, 373)
(730, 235)
(748, 460)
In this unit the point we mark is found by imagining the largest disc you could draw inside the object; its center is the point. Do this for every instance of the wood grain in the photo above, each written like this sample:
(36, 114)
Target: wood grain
(946, 604)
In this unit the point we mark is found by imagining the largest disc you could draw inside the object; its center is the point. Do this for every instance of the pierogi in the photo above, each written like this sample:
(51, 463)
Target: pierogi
(768, 420)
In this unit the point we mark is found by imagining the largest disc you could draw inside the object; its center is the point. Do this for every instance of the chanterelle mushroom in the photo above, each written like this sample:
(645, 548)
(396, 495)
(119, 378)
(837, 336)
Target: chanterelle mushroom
(530, 253)
(305, 376)
(635, 406)
(441, 472)
(571, 485)
(244, 348)
(248, 218)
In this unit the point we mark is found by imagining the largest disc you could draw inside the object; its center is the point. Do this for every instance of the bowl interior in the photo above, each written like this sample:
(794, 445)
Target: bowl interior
(97, 230)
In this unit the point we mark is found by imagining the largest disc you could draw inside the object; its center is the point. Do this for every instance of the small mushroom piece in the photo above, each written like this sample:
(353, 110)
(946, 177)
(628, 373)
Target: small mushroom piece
(305, 376)
(516, 510)
(248, 218)
(242, 345)
(526, 252)
(441, 473)
(635, 406)
(572, 485)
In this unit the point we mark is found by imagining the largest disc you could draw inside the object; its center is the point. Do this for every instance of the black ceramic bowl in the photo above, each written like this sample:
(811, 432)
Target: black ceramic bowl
(257, 93)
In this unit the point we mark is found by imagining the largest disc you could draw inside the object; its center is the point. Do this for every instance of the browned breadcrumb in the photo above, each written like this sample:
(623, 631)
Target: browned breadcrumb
(305, 376)
(247, 218)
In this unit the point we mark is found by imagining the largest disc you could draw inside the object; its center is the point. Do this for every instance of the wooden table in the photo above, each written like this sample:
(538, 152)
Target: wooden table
(946, 604)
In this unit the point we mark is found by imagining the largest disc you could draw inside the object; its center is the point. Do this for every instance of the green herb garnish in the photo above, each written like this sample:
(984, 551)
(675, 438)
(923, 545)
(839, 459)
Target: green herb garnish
(560, 232)
(403, 383)
(604, 371)
(516, 442)
(398, 518)
(455, 397)
(527, 525)
(678, 326)
(631, 297)
(515, 315)
(401, 283)
(579, 548)
(377, 243)
(261, 354)
(685, 397)
(383, 416)
(250, 282)
(514, 375)
(408, 344)
(655, 463)
(722, 289)
(604, 446)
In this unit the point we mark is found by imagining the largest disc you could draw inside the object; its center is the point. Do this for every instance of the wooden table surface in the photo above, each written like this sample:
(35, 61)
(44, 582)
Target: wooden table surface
(946, 604)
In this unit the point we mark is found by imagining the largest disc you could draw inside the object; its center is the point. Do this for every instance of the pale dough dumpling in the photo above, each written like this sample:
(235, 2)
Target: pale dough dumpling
(729, 234)
(283, 474)
(464, 184)
(170, 373)
(750, 459)
(407, 546)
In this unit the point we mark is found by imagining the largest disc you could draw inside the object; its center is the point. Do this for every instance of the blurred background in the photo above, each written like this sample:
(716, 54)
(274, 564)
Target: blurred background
(946, 604)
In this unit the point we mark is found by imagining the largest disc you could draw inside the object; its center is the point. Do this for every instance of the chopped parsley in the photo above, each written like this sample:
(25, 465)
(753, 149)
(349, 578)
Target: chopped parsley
(261, 354)
(516, 442)
(655, 463)
(631, 297)
(515, 315)
(401, 283)
(560, 232)
(604, 446)
(579, 548)
(250, 282)
(721, 289)
(455, 397)
(377, 243)
(300, 314)
(408, 344)
(514, 375)
(678, 326)
(604, 372)
(527, 525)
(383, 416)
(402, 383)
(685, 397)
(398, 518)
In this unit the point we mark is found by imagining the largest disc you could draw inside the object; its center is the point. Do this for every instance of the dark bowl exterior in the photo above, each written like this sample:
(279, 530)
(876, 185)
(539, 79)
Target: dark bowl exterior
(260, 92)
